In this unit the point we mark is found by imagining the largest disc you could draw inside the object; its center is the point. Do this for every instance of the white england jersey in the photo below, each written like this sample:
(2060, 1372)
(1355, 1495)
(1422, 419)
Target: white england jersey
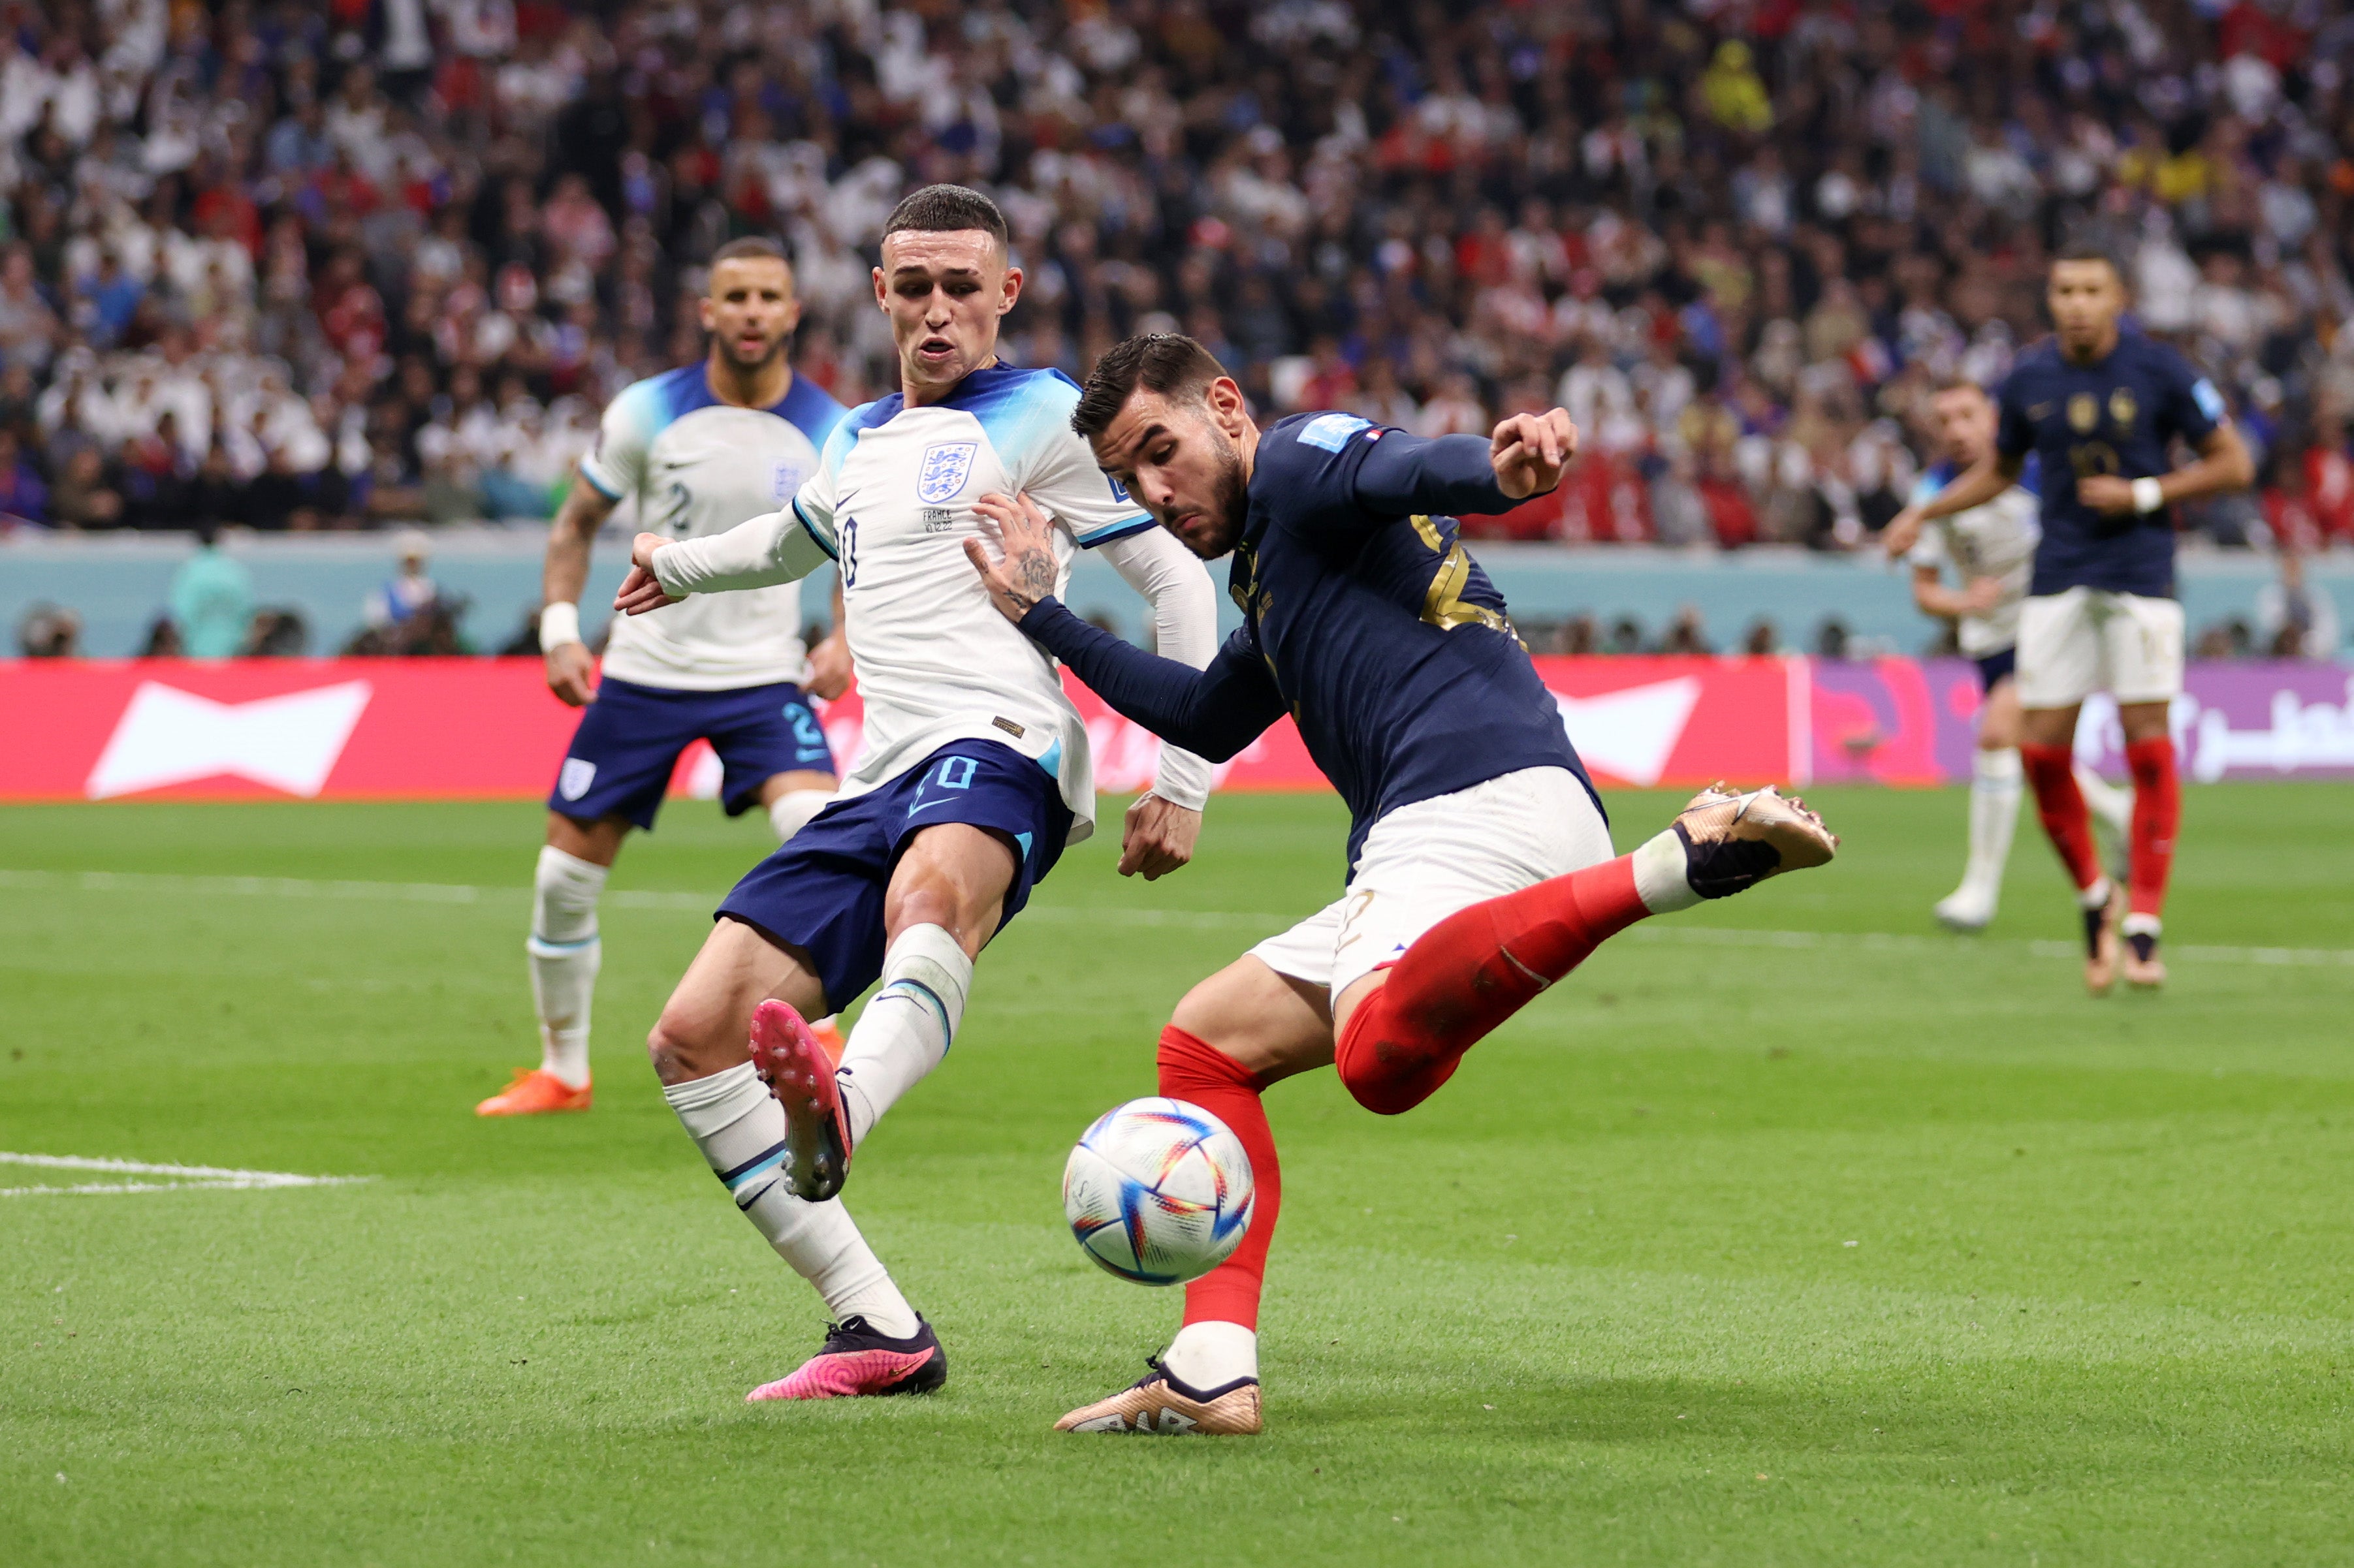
(1996, 540)
(697, 467)
(892, 502)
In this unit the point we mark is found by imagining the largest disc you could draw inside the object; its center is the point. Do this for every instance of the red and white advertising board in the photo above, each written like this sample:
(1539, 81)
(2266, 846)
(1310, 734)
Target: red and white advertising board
(415, 729)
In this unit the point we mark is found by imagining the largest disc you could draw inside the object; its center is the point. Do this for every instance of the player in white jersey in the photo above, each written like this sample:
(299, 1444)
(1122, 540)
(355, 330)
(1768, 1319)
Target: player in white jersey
(974, 776)
(698, 449)
(1991, 549)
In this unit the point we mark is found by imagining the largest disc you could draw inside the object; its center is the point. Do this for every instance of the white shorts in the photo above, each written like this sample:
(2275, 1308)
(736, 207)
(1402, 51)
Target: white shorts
(1423, 862)
(2084, 641)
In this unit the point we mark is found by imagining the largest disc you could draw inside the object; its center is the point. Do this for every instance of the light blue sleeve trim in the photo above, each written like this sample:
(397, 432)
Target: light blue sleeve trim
(1125, 528)
(596, 480)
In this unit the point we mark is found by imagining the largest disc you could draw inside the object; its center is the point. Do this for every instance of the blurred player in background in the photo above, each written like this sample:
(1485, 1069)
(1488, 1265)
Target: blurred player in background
(975, 774)
(1992, 549)
(2100, 404)
(1480, 869)
(699, 449)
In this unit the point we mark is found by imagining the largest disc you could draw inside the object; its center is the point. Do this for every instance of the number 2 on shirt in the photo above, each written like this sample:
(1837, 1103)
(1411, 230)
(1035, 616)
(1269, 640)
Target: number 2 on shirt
(850, 552)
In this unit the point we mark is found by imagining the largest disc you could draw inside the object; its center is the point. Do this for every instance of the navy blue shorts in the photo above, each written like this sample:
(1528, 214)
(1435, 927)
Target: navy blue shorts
(628, 745)
(1997, 667)
(822, 891)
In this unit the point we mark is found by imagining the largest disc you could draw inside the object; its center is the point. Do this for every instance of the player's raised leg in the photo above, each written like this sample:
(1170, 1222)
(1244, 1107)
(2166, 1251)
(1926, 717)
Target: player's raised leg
(955, 844)
(878, 1344)
(1403, 1030)
(946, 898)
(1245, 1028)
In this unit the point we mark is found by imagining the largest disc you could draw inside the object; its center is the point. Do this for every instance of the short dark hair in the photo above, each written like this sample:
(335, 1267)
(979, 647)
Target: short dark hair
(1168, 363)
(2090, 251)
(944, 209)
(751, 248)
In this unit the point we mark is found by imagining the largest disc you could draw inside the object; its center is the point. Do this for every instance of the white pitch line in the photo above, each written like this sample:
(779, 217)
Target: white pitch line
(1264, 921)
(198, 1178)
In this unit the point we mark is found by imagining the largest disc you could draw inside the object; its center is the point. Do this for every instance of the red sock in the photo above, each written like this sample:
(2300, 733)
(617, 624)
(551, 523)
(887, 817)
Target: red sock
(1194, 1071)
(2156, 812)
(2051, 774)
(1471, 973)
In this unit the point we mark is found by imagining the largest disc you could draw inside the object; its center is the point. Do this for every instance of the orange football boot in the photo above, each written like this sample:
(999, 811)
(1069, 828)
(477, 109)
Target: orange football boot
(828, 1035)
(534, 1093)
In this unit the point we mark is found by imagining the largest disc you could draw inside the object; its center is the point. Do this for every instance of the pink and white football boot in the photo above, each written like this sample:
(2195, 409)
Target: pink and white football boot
(855, 1360)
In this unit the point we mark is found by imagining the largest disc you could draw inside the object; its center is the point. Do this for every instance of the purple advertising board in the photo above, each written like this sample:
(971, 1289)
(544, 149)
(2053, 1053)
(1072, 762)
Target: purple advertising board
(1912, 721)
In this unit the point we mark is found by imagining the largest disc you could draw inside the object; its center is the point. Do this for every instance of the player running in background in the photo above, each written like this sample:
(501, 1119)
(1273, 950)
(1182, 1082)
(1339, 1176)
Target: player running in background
(1992, 549)
(699, 449)
(1479, 862)
(2099, 404)
(974, 776)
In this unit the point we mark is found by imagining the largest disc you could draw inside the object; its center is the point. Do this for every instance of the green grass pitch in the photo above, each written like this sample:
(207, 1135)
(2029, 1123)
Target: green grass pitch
(1789, 1232)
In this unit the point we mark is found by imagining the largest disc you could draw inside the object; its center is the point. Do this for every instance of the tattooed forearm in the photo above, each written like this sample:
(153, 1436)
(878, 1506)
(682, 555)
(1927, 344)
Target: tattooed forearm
(1032, 574)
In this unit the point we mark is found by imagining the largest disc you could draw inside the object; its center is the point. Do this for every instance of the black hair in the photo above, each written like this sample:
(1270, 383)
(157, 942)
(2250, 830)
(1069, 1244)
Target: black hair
(1168, 363)
(2091, 251)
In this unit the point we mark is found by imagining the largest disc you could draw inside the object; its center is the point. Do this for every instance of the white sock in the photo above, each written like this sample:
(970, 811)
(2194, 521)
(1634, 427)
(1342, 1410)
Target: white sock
(740, 1128)
(906, 1028)
(1660, 879)
(1995, 784)
(789, 812)
(2111, 806)
(565, 953)
(2142, 925)
(2094, 896)
(1209, 1355)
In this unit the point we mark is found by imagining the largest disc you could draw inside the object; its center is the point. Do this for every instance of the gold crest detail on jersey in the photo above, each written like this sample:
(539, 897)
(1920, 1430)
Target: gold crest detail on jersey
(2083, 413)
(2122, 406)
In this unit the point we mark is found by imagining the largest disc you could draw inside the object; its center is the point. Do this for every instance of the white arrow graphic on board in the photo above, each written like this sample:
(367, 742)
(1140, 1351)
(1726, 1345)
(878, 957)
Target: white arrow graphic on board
(1631, 734)
(170, 737)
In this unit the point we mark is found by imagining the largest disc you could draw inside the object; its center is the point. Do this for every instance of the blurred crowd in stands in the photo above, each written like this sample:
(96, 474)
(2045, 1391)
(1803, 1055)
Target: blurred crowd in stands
(332, 263)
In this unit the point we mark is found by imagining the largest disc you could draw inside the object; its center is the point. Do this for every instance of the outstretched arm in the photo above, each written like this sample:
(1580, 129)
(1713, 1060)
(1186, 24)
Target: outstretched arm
(777, 548)
(1403, 474)
(1980, 484)
(1214, 713)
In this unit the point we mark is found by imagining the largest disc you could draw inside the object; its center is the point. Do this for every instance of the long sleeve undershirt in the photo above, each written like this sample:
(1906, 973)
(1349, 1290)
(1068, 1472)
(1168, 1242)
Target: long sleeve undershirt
(1185, 630)
(1213, 712)
(1449, 475)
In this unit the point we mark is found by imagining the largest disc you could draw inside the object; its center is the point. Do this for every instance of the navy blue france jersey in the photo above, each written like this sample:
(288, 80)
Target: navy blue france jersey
(2118, 418)
(1362, 617)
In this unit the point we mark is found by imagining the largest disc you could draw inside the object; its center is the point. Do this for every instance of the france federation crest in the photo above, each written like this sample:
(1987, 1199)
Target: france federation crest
(945, 468)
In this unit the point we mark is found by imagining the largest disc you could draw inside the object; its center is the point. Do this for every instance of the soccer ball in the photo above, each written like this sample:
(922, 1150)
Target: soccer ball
(1158, 1192)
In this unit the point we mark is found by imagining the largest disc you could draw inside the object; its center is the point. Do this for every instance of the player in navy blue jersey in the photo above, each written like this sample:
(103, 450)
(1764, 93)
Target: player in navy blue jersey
(2101, 405)
(1479, 862)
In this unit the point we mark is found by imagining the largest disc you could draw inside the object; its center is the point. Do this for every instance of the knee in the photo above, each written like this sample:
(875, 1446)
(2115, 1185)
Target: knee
(682, 1047)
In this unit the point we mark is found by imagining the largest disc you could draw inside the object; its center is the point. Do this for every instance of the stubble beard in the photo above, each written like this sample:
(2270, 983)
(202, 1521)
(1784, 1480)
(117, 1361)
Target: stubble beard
(1230, 500)
(744, 367)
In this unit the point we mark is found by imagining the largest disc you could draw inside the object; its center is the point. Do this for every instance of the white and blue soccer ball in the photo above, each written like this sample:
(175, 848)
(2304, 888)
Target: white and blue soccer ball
(1158, 1192)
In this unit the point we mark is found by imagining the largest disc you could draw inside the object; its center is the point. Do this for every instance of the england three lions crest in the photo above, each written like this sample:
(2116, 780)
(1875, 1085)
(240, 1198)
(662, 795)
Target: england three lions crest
(945, 468)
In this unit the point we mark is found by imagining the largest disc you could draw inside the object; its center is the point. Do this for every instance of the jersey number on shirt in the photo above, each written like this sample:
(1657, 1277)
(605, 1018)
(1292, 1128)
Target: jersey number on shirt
(1442, 604)
(675, 521)
(850, 552)
(2093, 459)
